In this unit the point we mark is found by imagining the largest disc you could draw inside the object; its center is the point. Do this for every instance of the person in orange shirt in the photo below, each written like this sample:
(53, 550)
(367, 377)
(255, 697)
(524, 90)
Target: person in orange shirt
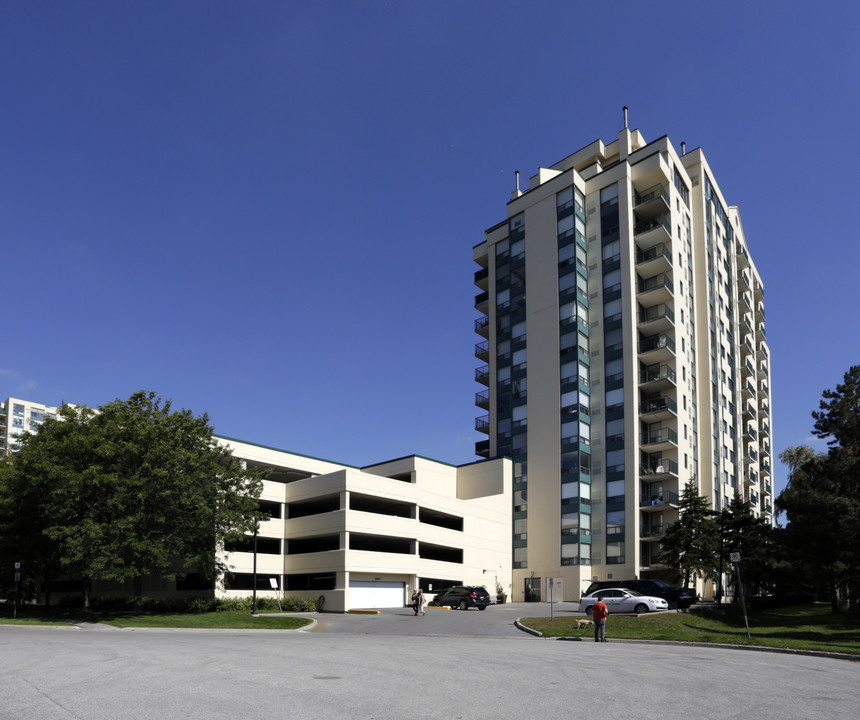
(599, 611)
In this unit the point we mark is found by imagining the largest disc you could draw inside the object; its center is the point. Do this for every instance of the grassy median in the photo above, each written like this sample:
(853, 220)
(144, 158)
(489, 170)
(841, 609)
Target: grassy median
(224, 620)
(804, 627)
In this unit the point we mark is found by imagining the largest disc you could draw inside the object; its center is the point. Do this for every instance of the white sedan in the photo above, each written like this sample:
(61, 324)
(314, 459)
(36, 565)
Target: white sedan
(621, 600)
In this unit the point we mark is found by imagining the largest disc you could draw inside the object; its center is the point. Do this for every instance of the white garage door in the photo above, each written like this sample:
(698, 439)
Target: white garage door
(375, 594)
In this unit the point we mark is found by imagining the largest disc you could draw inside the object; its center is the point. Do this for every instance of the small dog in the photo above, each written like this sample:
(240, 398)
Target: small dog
(583, 623)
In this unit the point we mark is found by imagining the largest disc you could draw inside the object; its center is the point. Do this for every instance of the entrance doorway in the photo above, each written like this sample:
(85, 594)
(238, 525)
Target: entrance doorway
(532, 589)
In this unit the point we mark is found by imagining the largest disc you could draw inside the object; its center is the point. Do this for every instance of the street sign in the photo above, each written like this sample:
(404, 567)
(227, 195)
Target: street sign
(735, 557)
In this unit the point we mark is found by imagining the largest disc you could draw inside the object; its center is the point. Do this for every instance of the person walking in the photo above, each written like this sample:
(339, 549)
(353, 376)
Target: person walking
(415, 600)
(599, 611)
(421, 602)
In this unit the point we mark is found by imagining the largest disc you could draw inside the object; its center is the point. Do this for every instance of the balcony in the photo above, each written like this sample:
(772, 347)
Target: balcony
(482, 350)
(744, 279)
(654, 260)
(656, 349)
(653, 201)
(658, 408)
(648, 233)
(482, 448)
(750, 456)
(748, 390)
(482, 399)
(759, 311)
(482, 375)
(751, 478)
(747, 368)
(759, 290)
(746, 299)
(482, 326)
(658, 500)
(655, 290)
(482, 277)
(657, 318)
(482, 302)
(653, 532)
(760, 334)
(663, 439)
(752, 434)
(658, 378)
(658, 469)
(482, 424)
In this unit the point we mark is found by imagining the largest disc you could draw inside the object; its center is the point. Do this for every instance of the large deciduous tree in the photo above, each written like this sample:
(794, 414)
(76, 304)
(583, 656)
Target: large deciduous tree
(131, 490)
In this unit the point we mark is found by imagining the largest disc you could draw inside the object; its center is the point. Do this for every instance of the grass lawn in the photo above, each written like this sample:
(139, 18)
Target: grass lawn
(803, 627)
(227, 620)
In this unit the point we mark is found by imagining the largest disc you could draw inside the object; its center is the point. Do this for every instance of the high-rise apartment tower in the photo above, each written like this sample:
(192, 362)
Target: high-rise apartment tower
(625, 356)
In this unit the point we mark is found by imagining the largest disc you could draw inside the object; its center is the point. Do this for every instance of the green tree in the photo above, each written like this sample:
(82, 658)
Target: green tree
(822, 505)
(752, 538)
(134, 489)
(690, 546)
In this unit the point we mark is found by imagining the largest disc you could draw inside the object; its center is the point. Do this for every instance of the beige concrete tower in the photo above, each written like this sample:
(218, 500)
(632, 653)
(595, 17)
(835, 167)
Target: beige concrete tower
(622, 326)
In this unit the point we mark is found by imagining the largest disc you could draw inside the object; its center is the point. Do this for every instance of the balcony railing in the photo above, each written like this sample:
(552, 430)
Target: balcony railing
(648, 225)
(658, 405)
(660, 498)
(652, 193)
(652, 253)
(655, 283)
(661, 466)
(664, 435)
(481, 323)
(664, 372)
(655, 531)
(482, 423)
(656, 312)
(656, 342)
(482, 374)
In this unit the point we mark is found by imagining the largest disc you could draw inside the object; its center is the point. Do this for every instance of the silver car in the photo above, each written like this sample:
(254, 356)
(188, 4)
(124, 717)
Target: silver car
(621, 600)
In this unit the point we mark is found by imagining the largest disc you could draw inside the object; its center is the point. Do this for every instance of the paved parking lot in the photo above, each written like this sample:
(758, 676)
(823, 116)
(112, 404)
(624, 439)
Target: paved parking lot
(99, 673)
(495, 621)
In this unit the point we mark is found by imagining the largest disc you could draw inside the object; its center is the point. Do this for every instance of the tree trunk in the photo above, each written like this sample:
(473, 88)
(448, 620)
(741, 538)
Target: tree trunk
(86, 591)
(137, 590)
(834, 598)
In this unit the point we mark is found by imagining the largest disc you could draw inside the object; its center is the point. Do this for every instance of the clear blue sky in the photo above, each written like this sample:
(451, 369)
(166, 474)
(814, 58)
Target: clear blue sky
(266, 210)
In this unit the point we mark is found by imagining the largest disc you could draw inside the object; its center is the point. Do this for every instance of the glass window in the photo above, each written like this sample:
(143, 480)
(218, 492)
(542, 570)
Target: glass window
(570, 431)
(612, 309)
(611, 279)
(569, 490)
(615, 398)
(615, 461)
(615, 430)
(518, 330)
(519, 358)
(609, 195)
(614, 522)
(614, 488)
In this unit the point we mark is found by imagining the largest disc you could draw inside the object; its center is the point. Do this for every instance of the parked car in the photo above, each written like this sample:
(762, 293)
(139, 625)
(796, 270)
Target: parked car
(462, 597)
(621, 600)
(677, 597)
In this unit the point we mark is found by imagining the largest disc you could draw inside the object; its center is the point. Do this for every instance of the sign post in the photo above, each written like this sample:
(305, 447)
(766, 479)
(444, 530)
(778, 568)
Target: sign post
(554, 585)
(736, 559)
(274, 584)
(17, 588)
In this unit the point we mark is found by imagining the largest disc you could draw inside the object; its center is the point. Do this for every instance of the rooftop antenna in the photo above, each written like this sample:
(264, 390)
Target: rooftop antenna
(517, 173)
(625, 117)
(683, 147)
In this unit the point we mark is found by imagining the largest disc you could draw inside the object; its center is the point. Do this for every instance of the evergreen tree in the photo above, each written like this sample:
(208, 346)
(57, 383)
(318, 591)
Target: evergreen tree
(691, 544)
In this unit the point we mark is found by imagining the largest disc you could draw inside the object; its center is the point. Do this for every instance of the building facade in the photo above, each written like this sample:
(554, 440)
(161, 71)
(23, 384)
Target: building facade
(21, 416)
(624, 350)
(365, 537)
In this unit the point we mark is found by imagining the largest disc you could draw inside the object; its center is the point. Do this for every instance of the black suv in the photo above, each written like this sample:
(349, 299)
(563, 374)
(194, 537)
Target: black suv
(463, 597)
(677, 597)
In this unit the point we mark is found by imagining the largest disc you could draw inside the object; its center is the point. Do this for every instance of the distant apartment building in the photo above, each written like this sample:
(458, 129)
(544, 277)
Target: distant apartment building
(18, 417)
(624, 349)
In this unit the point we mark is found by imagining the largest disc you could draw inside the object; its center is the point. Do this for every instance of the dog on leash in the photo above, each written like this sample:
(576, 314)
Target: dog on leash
(583, 623)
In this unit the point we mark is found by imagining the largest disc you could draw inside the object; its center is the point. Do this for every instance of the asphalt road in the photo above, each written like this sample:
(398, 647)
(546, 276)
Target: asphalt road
(349, 667)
